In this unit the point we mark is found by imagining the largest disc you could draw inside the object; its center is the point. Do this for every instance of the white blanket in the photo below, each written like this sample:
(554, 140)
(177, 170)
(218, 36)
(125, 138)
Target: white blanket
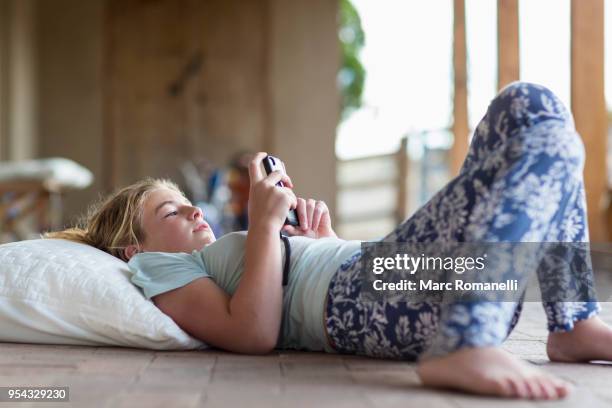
(63, 172)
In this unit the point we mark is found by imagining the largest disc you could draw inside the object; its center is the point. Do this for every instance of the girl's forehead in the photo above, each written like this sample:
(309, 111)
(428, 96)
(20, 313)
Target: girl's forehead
(158, 196)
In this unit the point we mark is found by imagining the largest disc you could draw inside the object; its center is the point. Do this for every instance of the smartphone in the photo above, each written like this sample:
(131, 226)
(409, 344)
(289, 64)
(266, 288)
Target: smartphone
(271, 164)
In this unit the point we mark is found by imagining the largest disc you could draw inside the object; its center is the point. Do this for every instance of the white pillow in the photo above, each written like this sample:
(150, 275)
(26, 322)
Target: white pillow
(61, 292)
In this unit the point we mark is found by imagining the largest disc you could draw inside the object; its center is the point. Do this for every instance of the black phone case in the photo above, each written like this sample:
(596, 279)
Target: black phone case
(269, 163)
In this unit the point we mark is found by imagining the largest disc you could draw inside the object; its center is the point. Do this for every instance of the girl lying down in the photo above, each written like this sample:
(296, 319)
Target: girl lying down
(524, 164)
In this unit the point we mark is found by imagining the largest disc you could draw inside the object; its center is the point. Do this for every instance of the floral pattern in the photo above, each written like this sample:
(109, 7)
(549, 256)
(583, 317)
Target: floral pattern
(521, 182)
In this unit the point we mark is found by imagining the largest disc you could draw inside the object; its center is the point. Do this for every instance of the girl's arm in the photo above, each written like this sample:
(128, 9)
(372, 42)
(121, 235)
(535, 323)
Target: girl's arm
(249, 321)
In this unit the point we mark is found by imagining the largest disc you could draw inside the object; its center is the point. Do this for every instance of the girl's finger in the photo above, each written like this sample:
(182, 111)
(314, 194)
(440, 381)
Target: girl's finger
(255, 173)
(301, 211)
(277, 176)
(289, 182)
(310, 206)
(316, 216)
(293, 201)
(274, 177)
(291, 230)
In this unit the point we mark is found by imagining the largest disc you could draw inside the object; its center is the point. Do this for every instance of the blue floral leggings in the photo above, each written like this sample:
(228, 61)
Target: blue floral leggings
(521, 182)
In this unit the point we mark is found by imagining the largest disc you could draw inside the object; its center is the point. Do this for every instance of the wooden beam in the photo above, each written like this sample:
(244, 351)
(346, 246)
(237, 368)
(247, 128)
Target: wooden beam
(588, 103)
(508, 62)
(460, 112)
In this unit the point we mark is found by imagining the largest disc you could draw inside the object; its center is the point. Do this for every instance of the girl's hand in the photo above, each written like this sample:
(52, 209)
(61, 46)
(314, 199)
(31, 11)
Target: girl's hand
(268, 203)
(315, 221)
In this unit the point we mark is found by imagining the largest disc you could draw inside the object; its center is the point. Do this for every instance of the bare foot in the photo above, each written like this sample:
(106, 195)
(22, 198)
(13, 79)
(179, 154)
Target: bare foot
(491, 371)
(591, 339)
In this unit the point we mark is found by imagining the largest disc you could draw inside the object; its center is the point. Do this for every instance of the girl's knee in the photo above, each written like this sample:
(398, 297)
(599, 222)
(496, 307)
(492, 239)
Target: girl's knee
(529, 89)
(524, 104)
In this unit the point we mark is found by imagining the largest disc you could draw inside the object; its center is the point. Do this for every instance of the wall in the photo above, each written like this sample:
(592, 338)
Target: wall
(70, 89)
(283, 97)
(185, 83)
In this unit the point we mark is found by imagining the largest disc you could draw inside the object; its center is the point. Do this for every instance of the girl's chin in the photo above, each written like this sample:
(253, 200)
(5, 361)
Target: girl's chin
(207, 242)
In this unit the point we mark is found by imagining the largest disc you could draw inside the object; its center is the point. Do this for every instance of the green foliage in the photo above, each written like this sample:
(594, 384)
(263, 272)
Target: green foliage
(352, 74)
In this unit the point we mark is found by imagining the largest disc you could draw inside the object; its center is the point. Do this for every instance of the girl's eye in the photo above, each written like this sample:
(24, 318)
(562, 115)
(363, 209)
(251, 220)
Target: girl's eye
(171, 213)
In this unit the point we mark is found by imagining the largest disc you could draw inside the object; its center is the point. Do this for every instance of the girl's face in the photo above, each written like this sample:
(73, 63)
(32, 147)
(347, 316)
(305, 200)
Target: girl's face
(172, 224)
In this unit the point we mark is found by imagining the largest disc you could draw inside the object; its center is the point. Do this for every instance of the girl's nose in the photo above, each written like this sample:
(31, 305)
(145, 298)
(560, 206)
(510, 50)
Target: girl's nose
(196, 212)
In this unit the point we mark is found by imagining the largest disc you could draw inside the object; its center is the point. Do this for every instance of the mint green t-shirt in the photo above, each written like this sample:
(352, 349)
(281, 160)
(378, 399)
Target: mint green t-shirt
(312, 265)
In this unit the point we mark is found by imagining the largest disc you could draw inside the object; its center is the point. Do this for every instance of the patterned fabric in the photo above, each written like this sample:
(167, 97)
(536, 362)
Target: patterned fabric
(521, 182)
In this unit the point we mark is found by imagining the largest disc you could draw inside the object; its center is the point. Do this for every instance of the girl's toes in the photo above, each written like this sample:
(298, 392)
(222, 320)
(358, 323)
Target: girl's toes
(504, 388)
(548, 390)
(563, 388)
(533, 391)
(519, 388)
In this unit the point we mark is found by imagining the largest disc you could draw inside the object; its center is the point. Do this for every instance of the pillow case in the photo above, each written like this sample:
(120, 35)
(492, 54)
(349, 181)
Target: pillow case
(56, 291)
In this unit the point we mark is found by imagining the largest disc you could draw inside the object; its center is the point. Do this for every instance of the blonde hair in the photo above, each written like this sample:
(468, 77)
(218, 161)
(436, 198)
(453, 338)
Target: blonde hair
(115, 222)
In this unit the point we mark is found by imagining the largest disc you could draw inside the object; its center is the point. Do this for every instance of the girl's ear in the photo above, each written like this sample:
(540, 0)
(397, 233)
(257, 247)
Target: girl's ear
(130, 251)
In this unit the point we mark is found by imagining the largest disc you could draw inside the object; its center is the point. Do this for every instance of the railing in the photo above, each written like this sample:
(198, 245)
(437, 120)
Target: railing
(372, 194)
(376, 193)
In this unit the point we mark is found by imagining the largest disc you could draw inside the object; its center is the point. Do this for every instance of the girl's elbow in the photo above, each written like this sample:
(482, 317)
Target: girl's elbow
(261, 343)
(261, 350)
(265, 346)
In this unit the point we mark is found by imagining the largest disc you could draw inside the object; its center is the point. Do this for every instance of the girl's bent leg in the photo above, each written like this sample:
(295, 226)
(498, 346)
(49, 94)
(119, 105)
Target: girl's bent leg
(523, 155)
(521, 182)
(533, 197)
(523, 168)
